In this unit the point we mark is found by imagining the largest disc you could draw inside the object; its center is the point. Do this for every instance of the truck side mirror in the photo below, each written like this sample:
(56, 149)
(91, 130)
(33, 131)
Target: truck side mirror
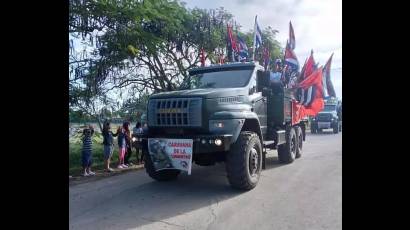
(252, 90)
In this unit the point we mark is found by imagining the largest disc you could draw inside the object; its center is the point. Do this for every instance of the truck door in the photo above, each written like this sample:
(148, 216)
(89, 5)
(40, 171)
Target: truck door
(259, 102)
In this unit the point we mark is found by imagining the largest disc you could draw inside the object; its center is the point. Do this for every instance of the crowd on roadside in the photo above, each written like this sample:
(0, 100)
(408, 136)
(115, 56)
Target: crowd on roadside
(125, 145)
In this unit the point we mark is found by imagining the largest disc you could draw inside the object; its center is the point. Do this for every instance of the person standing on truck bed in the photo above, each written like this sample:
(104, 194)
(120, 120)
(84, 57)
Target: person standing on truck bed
(275, 78)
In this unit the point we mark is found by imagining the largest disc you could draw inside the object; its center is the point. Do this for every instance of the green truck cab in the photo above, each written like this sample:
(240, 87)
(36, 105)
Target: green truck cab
(329, 118)
(232, 114)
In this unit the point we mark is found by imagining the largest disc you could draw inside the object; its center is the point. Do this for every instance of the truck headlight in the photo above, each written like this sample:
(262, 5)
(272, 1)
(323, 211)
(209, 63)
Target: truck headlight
(218, 142)
(224, 126)
(219, 124)
(134, 139)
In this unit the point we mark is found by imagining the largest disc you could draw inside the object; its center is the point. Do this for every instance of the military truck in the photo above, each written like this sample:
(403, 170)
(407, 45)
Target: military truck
(329, 118)
(233, 115)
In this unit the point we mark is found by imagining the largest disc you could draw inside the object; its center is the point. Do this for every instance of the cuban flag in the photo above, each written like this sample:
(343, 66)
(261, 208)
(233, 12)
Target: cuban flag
(243, 48)
(258, 35)
(290, 58)
(292, 40)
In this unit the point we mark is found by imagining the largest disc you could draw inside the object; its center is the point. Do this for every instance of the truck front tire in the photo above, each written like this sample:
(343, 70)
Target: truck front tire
(299, 141)
(336, 128)
(163, 175)
(244, 161)
(287, 151)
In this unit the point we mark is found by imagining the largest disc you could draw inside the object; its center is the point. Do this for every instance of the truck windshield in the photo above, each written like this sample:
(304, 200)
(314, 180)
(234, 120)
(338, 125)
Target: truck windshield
(329, 108)
(220, 79)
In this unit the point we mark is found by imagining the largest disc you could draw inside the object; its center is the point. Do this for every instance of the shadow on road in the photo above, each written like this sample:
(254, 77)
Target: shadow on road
(272, 162)
(323, 133)
(145, 203)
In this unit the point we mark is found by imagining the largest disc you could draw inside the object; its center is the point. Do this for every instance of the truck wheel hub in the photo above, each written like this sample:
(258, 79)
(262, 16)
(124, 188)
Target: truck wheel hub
(293, 146)
(253, 161)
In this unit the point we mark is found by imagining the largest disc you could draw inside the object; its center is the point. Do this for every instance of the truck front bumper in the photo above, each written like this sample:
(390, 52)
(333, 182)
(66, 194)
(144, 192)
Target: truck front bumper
(202, 143)
(324, 124)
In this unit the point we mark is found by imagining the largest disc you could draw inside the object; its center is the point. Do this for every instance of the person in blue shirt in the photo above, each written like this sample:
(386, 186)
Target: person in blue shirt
(108, 142)
(276, 79)
(86, 152)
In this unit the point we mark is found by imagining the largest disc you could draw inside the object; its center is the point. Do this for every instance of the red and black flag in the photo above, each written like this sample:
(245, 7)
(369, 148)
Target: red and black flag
(327, 82)
(316, 104)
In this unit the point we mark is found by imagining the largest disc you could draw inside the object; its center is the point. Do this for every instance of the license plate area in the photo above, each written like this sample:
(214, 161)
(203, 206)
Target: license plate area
(171, 153)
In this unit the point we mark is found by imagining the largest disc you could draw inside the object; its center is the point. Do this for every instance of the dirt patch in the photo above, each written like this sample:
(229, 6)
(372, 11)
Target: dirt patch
(100, 174)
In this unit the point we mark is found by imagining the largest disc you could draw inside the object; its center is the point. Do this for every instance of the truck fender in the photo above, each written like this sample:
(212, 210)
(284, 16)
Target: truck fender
(248, 118)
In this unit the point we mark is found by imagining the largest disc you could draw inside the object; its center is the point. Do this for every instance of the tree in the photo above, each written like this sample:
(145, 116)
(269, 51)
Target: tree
(143, 46)
(152, 43)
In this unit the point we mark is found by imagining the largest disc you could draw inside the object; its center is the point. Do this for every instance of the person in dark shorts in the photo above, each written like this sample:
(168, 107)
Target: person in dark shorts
(108, 142)
(86, 153)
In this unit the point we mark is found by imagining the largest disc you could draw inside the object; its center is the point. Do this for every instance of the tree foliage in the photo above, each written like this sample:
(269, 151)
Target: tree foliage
(144, 46)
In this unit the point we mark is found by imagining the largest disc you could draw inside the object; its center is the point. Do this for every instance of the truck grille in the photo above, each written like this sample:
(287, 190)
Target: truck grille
(324, 117)
(175, 112)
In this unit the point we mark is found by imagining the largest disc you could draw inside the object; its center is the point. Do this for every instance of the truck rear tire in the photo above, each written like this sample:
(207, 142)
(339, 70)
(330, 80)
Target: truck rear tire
(163, 175)
(287, 151)
(244, 161)
(299, 141)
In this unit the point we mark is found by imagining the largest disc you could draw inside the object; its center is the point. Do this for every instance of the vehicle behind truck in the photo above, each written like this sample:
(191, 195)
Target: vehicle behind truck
(329, 118)
(224, 113)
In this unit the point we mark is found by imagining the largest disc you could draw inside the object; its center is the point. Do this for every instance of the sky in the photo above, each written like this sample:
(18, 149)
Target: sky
(317, 25)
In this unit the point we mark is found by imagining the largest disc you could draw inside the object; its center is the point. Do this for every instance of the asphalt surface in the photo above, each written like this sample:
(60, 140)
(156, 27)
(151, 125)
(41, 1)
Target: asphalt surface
(306, 194)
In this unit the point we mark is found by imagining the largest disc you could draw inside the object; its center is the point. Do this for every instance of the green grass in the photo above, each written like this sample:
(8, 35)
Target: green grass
(75, 145)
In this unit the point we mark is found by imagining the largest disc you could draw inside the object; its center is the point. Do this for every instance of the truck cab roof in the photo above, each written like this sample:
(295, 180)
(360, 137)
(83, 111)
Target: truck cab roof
(228, 66)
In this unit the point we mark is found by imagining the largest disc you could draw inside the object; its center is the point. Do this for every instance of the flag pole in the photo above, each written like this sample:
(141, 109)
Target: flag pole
(254, 40)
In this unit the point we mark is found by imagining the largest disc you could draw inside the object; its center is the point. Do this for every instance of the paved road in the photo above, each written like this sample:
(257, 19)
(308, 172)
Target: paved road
(304, 195)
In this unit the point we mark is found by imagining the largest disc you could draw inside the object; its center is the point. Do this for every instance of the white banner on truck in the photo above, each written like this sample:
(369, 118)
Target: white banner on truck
(171, 153)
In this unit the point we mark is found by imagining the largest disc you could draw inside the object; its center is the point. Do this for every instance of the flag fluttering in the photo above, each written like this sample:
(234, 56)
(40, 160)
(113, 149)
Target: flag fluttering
(257, 39)
(290, 58)
(306, 94)
(309, 66)
(327, 82)
(316, 104)
(292, 40)
(243, 49)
